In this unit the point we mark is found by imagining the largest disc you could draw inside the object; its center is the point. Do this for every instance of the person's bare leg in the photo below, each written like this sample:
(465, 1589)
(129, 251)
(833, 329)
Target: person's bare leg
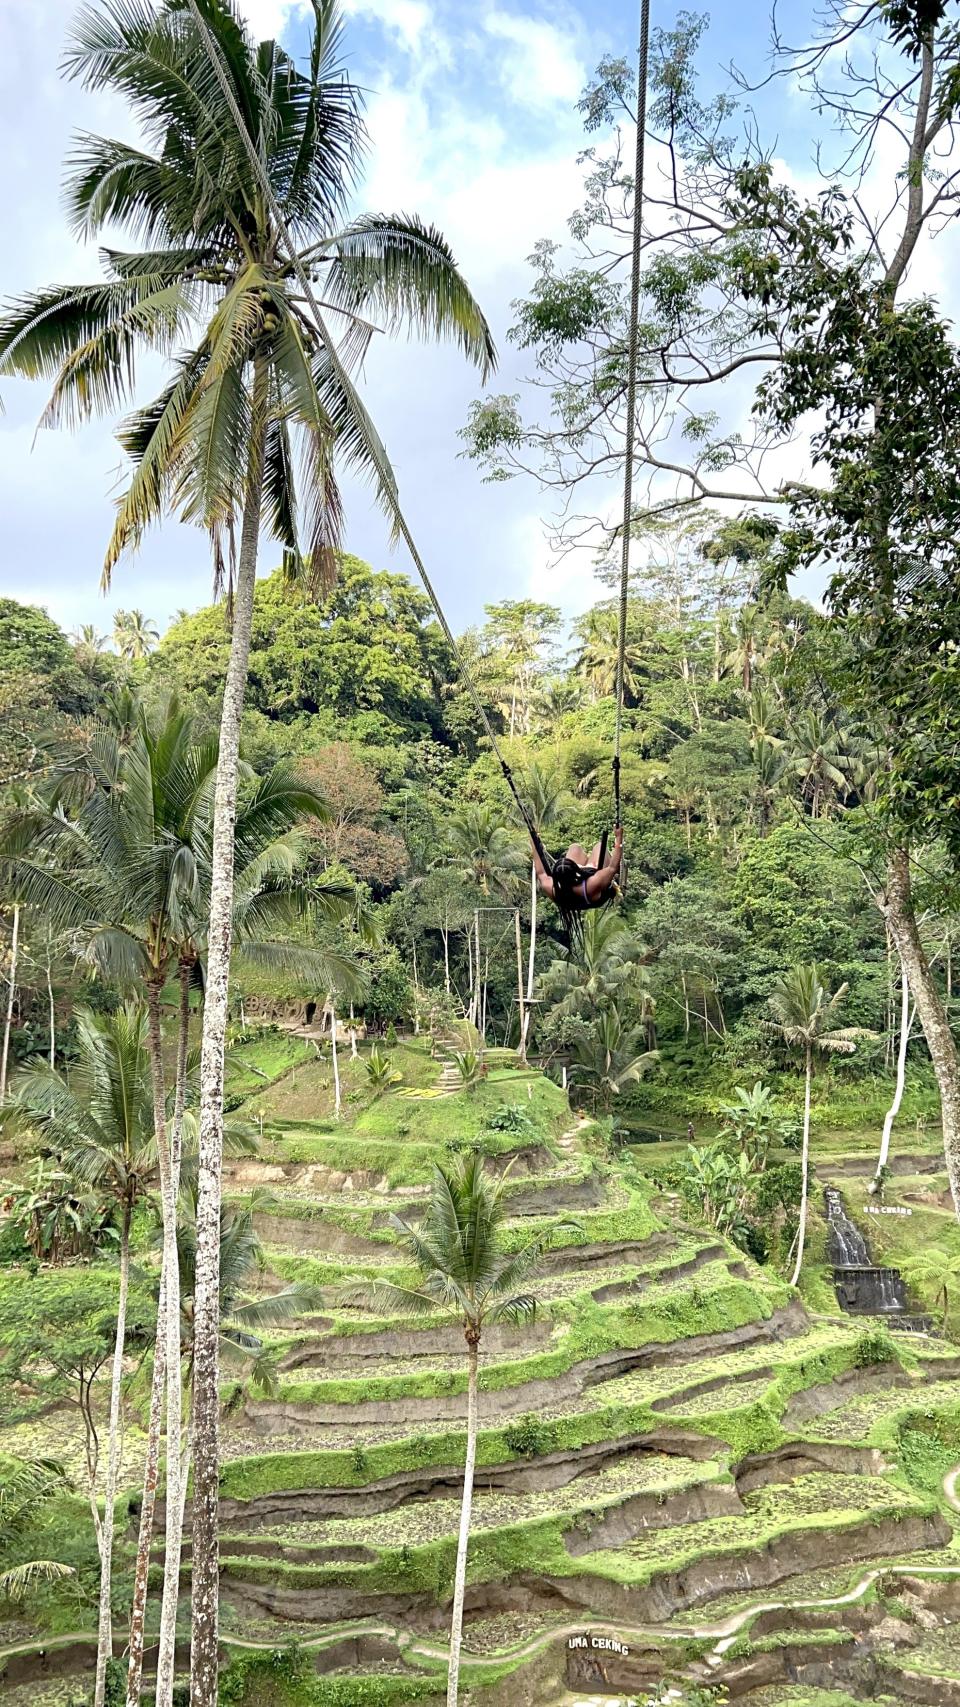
(594, 856)
(576, 853)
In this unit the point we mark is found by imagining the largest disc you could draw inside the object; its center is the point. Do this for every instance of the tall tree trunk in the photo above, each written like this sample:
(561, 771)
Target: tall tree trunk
(152, 1466)
(522, 1010)
(805, 1165)
(206, 1396)
(148, 1507)
(336, 1059)
(353, 1035)
(532, 957)
(445, 933)
(105, 1621)
(897, 904)
(470, 972)
(170, 1326)
(894, 1108)
(460, 1575)
(11, 997)
(51, 1005)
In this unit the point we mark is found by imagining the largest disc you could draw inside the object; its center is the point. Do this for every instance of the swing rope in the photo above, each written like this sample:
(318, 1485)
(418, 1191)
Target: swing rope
(371, 440)
(631, 390)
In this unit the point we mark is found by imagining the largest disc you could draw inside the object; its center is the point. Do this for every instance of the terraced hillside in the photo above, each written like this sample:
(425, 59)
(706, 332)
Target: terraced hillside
(675, 1458)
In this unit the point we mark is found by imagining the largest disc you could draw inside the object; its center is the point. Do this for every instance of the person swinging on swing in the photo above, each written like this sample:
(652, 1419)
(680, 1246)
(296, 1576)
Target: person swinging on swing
(578, 880)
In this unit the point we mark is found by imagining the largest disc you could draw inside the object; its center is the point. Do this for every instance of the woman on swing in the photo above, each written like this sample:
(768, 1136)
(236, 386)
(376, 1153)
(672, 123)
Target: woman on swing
(581, 880)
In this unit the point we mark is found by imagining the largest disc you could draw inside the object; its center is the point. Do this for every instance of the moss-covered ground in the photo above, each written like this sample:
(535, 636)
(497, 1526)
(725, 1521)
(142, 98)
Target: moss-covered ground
(612, 1430)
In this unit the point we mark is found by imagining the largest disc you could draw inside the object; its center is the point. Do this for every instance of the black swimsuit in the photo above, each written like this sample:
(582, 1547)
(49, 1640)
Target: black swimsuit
(580, 900)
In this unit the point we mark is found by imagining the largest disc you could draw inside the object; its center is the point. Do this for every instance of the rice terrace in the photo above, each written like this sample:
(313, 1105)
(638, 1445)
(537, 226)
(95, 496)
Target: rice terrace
(479, 854)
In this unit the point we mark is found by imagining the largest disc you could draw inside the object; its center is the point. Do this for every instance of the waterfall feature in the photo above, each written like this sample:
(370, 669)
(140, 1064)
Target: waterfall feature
(862, 1287)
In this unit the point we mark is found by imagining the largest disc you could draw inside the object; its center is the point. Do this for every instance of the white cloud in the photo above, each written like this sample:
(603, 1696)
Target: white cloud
(268, 19)
(408, 22)
(541, 66)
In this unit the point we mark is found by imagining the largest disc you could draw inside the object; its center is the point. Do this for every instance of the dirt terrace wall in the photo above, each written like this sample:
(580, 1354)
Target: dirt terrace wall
(800, 1458)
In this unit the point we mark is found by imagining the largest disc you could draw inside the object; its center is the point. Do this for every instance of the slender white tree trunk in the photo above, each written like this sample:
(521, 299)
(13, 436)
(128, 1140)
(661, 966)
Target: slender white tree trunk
(460, 1575)
(206, 1390)
(158, 1384)
(51, 1006)
(336, 1061)
(805, 1164)
(522, 1009)
(105, 1621)
(897, 904)
(170, 1327)
(446, 959)
(470, 971)
(894, 1109)
(532, 958)
(11, 997)
(150, 1478)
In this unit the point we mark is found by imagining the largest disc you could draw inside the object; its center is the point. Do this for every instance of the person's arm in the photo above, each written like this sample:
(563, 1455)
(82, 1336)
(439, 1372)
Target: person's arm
(543, 876)
(602, 880)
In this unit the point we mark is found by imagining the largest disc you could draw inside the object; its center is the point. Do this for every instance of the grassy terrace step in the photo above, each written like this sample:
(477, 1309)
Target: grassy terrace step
(539, 1550)
(665, 1319)
(627, 1217)
(869, 1418)
(616, 1408)
(650, 1474)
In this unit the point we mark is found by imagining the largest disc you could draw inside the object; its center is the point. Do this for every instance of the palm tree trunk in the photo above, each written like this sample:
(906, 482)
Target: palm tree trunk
(11, 995)
(521, 1008)
(460, 1575)
(894, 1108)
(805, 1165)
(206, 1393)
(170, 1329)
(897, 904)
(532, 958)
(152, 1466)
(52, 1004)
(148, 1507)
(105, 1621)
(336, 1061)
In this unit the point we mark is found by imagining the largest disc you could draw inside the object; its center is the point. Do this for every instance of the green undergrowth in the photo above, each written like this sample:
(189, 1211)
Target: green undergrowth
(286, 1677)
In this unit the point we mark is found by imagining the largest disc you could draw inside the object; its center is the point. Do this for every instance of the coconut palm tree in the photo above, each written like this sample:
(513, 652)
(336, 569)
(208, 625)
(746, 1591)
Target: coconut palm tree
(129, 870)
(806, 1018)
(27, 1487)
(555, 700)
(597, 660)
(611, 1055)
(101, 1124)
(245, 434)
(468, 1274)
(610, 962)
(88, 641)
(134, 635)
(819, 758)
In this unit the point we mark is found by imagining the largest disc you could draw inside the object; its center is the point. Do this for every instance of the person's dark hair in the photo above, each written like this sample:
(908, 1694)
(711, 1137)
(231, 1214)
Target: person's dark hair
(567, 874)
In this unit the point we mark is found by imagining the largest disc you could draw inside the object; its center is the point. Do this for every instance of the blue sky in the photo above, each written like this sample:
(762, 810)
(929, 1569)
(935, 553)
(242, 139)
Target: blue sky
(471, 110)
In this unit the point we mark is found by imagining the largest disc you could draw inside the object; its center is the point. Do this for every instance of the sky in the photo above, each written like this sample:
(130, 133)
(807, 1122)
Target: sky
(471, 108)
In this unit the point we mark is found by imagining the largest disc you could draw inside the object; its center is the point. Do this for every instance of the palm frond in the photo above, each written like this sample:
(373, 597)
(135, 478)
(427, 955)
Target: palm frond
(403, 270)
